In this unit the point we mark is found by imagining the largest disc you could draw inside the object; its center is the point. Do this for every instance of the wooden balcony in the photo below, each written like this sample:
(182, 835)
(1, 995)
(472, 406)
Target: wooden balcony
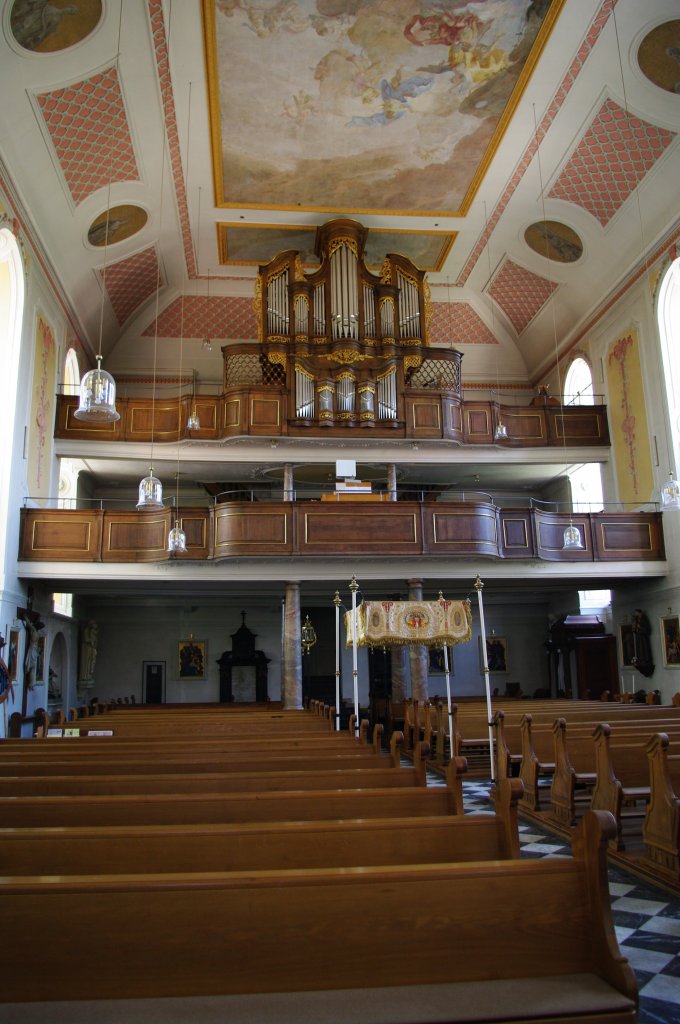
(265, 529)
(264, 411)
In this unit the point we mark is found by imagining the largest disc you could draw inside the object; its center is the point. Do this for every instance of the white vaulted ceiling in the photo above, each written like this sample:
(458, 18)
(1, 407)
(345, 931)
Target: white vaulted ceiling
(213, 159)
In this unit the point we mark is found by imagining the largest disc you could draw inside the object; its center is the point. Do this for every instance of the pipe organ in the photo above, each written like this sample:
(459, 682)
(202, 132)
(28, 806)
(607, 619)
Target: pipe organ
(347, 338)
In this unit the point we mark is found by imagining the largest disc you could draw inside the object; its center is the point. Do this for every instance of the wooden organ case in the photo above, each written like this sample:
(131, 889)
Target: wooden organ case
(345, 343)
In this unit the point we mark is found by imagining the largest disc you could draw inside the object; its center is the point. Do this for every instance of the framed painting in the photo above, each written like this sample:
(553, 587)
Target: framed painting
(670, 639)
(40, 661)
(13, 653)
(627, 644)
(496, 654)
(435, 661)
(192, 659)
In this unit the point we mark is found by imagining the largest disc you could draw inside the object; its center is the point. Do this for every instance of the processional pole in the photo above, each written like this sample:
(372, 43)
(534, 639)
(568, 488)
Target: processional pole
(336, 602)
(478, 587)
(448, 684)
(354, 586)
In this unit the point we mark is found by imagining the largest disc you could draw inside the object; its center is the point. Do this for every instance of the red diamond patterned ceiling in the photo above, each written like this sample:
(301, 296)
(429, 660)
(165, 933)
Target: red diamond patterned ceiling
(457, 323)
(520, 293)
(219, 317)
(88, 127)
(610, 161)
(131, 281)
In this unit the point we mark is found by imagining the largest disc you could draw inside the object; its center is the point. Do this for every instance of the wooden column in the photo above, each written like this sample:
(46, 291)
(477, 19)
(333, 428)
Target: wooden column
(292, 650)
(417, 652)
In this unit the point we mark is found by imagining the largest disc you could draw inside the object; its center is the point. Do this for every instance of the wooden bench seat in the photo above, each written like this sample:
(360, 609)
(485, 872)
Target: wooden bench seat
(267, 845)
(661, 829)
(257, 805)
(363, 934)
(247, 776)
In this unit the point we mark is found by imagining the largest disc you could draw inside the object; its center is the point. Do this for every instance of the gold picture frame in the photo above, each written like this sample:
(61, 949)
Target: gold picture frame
(192, 659)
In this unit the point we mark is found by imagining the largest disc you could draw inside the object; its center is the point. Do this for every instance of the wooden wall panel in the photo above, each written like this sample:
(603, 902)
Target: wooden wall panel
(424, 415)
(477, 423)
(265, 414)
(517, 534)
(393, 528)
(462, 529)
(525, 426)
(136, 536)
(67, 426)
(248, 529)
(60, 535)
(550, 529)
(580, 424)
(626, 536)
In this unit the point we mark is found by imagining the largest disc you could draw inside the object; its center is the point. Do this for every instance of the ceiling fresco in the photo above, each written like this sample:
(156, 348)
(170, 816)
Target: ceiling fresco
(394, 106)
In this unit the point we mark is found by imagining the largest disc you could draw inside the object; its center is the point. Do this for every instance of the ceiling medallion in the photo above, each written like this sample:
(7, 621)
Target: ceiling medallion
(123, 222)
(554, 240)
(658, 56)
(46, 28)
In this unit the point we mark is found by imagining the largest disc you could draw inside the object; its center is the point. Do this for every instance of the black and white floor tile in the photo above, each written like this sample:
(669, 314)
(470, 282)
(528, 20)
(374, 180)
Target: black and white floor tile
(646, 918)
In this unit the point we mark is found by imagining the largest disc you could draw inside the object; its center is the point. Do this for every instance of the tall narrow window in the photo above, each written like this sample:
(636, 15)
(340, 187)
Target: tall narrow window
(71, 373)
(11, 313)
(668, 312)
(585, 480)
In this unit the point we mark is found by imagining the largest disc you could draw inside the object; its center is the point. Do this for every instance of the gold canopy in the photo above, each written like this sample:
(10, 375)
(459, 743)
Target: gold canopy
(432, 623)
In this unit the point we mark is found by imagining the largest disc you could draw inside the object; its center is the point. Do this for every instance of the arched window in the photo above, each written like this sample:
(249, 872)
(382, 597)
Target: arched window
(11, 314)
(71, 373)
(668, 312)
(585, 480)
(578, 383)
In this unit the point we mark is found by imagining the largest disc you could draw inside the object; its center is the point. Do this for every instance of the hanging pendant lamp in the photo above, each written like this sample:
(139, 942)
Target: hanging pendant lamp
(97, 398)
(670, 495)
(572, 539)
(150, 493)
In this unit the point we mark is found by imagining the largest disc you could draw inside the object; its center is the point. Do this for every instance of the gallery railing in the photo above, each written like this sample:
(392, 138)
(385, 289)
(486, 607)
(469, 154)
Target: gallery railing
(334, 528)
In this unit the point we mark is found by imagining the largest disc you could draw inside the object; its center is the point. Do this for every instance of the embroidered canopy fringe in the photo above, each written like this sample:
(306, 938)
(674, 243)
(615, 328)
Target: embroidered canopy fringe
(390, 623)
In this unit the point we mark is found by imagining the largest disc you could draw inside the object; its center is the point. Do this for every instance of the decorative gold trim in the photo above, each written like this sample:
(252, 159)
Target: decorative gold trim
(410, 361)
(325, 387)
(267, 401)
(304, 373)
(506, 542)
(633, 523)
(277, 358)
(337, 243)
(47, 523)
(160, 523)
(387, 373)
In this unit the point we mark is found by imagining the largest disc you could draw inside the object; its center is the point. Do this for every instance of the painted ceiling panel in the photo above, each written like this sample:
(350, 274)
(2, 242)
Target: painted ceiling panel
(256, 246)
(520, 293)
(610, 161)
(88, 127)
(131, 281)
(392, 109)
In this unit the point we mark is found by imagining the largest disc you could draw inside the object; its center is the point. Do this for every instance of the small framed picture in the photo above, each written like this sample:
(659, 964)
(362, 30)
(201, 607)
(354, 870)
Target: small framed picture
(435, 661)
(496, 654)
(670, 639)
(13, 653)
(192, 659)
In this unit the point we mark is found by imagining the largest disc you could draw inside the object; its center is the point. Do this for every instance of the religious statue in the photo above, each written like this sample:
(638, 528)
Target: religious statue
(642, 658)
(31, 655)
(88, 651)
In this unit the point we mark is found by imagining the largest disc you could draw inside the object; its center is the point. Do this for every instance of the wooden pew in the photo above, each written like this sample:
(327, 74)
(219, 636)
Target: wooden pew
(76, 779)
(545, 926)
(661, 829)
(268, 845)
(258, 805)
(622, 784)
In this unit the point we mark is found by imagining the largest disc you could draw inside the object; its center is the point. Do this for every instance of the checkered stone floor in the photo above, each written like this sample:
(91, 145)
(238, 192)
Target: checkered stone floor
(647, 919)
